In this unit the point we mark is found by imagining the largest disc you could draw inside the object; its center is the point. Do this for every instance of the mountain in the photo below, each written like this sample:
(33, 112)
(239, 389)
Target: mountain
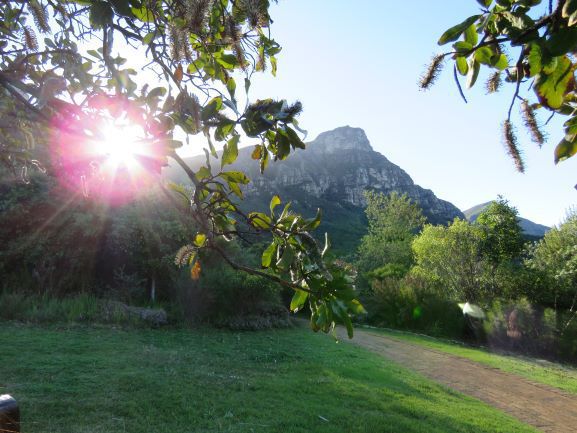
(530, 229)
(332, 173)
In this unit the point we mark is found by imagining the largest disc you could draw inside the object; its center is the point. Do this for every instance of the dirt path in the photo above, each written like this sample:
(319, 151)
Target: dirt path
(546, 408)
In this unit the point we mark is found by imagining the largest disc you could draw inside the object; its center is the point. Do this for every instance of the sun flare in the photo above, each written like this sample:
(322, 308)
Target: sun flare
(121, 145)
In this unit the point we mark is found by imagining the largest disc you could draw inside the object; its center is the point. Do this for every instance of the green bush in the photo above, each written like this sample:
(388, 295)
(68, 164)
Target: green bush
(228, 298)
(406, 304)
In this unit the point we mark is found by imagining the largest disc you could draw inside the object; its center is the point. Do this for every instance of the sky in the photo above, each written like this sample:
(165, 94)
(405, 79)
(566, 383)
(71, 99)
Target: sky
(358, 63)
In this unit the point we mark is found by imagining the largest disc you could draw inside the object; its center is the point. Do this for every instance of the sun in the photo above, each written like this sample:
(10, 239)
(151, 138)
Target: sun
(120, 145)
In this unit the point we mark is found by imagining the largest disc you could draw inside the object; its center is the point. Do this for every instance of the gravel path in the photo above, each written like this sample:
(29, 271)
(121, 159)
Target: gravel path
(546, 408)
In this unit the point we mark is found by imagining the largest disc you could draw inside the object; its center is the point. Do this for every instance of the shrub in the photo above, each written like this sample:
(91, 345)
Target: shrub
(229, 298)
(407, 304)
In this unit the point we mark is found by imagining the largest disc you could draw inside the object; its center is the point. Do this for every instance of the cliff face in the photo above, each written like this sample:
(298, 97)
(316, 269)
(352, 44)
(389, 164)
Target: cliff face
(338, 166)
(332, 173)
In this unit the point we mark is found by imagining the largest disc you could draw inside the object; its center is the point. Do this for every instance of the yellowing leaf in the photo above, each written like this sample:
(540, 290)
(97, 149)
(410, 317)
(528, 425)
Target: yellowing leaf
(179, 73)
(195, 271)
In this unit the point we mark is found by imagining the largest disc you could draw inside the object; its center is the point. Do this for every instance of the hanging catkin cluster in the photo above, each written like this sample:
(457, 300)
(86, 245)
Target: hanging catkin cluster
(194, 14)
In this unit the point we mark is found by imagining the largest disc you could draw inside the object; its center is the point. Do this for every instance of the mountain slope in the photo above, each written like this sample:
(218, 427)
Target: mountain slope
(529, 228)
(332, 173)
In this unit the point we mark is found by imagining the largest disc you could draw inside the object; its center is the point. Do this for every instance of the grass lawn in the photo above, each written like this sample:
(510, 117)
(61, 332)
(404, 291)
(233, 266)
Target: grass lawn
(555, 375)
(98, 379)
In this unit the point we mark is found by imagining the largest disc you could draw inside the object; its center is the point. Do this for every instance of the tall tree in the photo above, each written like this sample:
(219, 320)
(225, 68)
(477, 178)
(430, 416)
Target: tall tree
(450, 259)
(394, 220)
(555, 256)
(63, 77)
(502, 235)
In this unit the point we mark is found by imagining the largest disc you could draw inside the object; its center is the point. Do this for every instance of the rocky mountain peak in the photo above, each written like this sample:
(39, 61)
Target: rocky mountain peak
(339, 139)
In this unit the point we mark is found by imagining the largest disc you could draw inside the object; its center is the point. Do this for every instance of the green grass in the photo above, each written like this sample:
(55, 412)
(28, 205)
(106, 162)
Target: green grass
(101, 379)
(548, 373)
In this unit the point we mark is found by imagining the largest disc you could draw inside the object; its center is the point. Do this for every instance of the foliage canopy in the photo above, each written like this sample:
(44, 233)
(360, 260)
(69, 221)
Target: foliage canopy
(528, 44)
(63, 74)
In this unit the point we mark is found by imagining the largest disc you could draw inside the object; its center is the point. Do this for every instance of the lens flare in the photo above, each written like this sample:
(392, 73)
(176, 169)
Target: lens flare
(107, 159)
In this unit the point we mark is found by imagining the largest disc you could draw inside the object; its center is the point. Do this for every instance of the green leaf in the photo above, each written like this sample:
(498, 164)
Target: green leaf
(316, 221)
(454, 32)
(143, 14)
(236, 176)
(349, 325)
(203, 173)
(122, 7)
(474, 68)
(483, 55)
(287, 258)
(273, 64)
(485, 3)
(101, 14)
(565, 149)
(268, 254)
(200, 240)
(562, 41)
(471, 35)
(274, 202)
(227, 61)
(213, 107)
(230, 151)
(148, 38)
(462, 65)
(500, 62)
(156, 92)
(552, 88)
(534, 58)
(298, 300)
(260, 220)
(294, 138)
(231, 87)
(462, 46)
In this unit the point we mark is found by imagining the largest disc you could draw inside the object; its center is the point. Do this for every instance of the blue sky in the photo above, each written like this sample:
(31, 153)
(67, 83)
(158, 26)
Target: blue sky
(357, 63)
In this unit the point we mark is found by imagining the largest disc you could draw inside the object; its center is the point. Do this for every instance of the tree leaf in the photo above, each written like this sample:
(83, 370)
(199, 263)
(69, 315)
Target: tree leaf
(551, 88)
(471, 35)
(257, 152)
(143, 14)
(298, 300)
(231, 87)
(203, 173)
(178, 73)
(259, 220)
(213, 107)
(483, 55)
(195, 271)
(268, 254)
(454, 32)
(230, 151)
(236, 176)
(534, 58)
(462, 65)
(200, 240)
(569, 8)
(274, 202)
(474, 68)
(565, 149)
(101, 14)
(562, 42)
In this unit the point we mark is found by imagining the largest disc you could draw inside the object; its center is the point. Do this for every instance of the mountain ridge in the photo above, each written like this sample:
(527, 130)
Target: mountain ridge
(333, 173)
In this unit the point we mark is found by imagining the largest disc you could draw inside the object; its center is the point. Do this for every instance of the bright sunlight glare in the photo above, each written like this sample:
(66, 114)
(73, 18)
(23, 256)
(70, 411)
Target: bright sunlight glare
(121, 145)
